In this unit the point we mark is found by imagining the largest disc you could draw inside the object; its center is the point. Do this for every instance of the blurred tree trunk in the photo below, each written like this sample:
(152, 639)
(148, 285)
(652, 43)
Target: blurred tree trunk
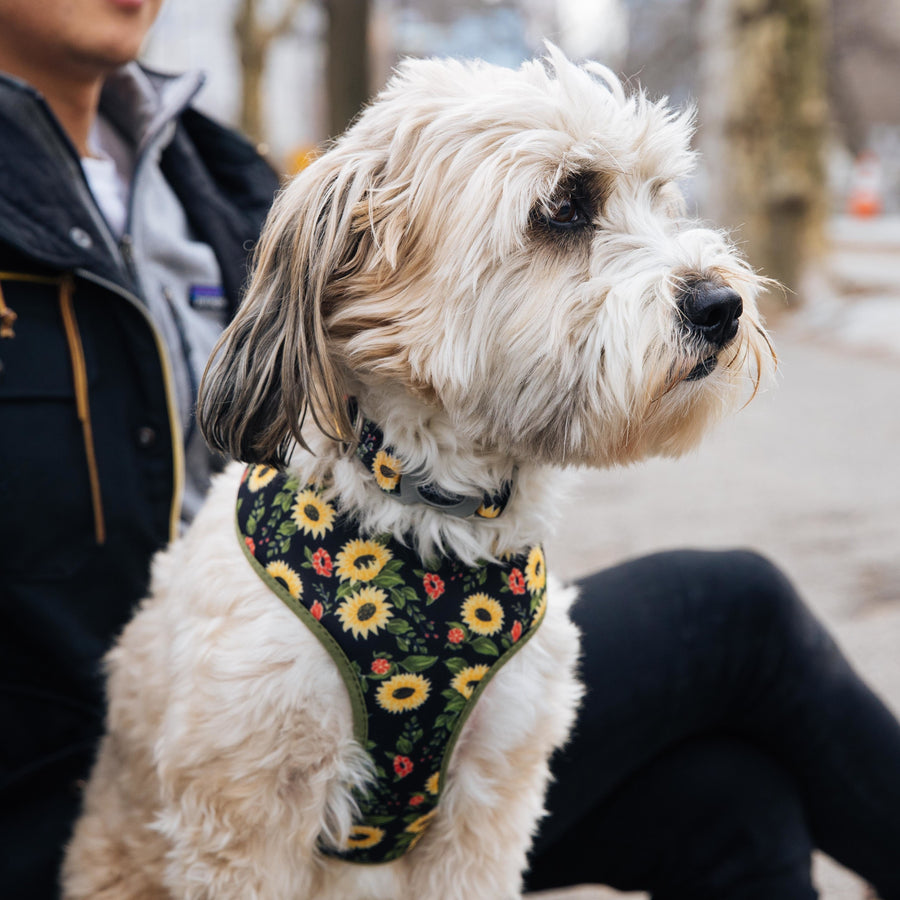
(347, 61)
(765, 120)
(254, 36)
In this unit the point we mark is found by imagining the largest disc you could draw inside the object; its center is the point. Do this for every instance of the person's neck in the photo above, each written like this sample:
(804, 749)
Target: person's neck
(74, 101)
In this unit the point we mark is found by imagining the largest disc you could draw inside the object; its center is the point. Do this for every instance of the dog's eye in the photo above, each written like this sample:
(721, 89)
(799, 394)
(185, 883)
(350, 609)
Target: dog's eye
(565, 213)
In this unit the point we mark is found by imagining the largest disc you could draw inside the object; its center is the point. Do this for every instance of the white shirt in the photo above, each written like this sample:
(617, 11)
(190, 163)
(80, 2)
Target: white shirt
(108, 171)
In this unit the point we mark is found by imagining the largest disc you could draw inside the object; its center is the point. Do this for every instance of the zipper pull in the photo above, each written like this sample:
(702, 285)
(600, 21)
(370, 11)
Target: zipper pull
(126, 246)
(126, 249)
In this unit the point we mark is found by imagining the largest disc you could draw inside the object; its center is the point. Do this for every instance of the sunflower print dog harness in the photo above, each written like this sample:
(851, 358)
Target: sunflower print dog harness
(415, 642)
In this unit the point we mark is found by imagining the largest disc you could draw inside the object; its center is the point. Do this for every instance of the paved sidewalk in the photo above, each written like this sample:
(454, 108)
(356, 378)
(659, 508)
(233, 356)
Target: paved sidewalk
(809, 474)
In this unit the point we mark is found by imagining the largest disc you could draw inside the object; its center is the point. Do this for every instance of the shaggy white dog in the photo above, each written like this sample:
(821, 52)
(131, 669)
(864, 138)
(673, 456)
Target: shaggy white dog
(495, 265)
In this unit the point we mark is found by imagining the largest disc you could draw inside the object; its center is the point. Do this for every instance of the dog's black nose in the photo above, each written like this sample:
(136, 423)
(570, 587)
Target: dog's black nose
(711, 311)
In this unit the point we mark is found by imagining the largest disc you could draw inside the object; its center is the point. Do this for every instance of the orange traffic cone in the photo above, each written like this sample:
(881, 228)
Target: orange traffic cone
(865, 187)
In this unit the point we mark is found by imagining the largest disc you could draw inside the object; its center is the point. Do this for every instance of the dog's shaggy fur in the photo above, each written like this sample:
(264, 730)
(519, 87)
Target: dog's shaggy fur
(496, 264)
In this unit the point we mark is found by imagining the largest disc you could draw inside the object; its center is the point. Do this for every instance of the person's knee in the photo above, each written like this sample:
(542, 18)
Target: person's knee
(758, 596)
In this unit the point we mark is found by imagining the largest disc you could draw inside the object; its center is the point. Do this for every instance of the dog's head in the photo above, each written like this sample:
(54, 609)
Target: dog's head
(508, 247)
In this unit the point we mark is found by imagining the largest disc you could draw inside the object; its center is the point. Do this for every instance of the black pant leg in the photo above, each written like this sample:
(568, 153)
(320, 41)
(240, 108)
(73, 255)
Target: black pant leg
(709, 819)
(689, 643)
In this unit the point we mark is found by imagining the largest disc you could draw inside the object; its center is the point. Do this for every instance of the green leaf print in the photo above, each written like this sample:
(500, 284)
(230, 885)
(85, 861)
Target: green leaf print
(387, 579)
(485, 646)
(418, 663)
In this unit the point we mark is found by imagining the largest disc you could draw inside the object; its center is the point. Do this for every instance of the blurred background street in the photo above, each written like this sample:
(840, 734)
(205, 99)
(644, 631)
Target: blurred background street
(799, 117)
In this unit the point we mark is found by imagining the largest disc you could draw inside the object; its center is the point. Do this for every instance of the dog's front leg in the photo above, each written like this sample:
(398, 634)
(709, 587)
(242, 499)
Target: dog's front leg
(247, 828)
(478, 850)
(477, 846)
(253, 755)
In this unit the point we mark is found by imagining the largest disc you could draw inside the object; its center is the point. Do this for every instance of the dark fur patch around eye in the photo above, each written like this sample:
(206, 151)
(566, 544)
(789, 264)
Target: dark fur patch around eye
(569, 217)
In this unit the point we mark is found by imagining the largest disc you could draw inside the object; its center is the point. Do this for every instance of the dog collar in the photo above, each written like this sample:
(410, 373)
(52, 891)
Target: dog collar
(411, 487)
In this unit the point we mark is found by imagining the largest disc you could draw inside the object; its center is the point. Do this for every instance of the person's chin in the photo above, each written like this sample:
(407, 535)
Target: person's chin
(104, 57)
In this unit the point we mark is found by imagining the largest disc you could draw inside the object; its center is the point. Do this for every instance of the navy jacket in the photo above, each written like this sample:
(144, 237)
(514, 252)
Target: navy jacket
(82, 340)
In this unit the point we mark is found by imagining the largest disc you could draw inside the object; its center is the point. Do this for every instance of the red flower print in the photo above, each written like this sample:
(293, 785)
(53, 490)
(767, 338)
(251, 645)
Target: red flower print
(381, 666)
(434, 586)
(456, 636)
(316, 610)
(249, 542)
(403, 765)
(516, 631)
(517, 582)
(322, 562)
(416, 799)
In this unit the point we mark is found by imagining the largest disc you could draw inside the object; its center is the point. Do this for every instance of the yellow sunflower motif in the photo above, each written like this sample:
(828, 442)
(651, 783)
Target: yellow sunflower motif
(283, 573)
(363, 836)
(539, 612)
(312, 514)
(483, 614)
(535, 571)
(467, 680)
(488, 512)
(364, 612)
(403, 692)
(361, 560)
(422, 822)
(387, 470)
(260, 476)
(433, 785)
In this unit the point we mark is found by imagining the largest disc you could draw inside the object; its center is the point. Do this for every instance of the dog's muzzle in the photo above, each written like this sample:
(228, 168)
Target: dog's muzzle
(712, 312)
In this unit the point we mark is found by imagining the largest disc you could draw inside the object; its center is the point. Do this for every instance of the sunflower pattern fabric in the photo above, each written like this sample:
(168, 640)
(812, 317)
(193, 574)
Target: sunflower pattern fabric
(416, 642)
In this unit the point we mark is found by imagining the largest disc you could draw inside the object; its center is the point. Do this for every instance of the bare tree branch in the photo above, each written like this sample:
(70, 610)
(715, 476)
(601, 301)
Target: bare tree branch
(254, 39)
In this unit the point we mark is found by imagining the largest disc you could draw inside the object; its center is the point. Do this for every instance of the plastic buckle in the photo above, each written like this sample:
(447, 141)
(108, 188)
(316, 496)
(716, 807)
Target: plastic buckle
(411, 485)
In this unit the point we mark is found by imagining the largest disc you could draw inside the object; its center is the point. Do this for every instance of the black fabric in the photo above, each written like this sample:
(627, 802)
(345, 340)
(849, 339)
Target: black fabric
(723, 735)
(63, 598)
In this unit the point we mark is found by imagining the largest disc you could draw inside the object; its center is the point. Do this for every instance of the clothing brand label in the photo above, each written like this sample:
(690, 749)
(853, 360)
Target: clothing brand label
(209, 297)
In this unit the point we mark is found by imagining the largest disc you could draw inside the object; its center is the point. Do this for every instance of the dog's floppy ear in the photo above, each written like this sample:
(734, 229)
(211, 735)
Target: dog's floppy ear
(273, 363)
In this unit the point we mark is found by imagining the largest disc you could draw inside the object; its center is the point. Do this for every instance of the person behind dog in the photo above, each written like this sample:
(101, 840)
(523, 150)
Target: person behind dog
(722, 736)
(124, 221)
